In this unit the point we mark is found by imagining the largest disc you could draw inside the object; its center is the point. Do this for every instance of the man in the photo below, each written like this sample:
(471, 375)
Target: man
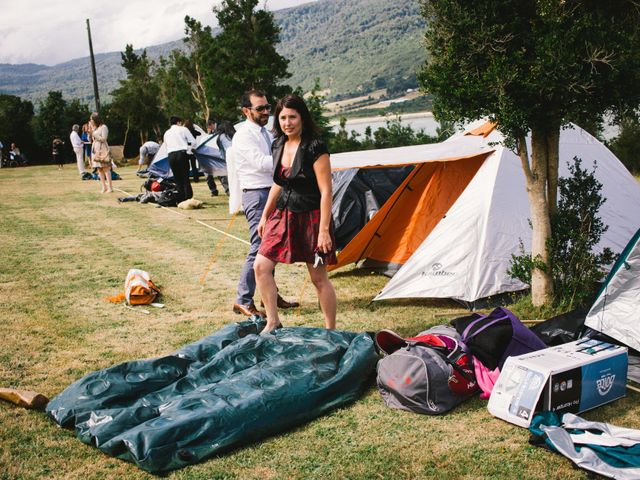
(212, 127)
(178, 140)
(78, 146)
(149, 148)
(254, 169)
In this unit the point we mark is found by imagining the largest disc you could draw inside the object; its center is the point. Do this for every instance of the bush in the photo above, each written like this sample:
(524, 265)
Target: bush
(626, 147)
(576, 230)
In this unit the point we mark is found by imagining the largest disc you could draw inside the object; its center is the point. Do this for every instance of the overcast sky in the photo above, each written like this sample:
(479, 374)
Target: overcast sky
(54, 31)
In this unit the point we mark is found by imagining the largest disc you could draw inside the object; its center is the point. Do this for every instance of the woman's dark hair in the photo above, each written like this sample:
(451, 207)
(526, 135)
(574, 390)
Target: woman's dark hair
(293, 101)
(96, 119)
(227, 128)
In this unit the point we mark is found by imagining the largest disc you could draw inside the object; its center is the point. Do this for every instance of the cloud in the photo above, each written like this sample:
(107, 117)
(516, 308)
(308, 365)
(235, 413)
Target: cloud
(55, 31)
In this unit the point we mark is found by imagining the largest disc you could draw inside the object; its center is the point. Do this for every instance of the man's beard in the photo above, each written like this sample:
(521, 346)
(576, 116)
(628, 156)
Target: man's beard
(260, 119)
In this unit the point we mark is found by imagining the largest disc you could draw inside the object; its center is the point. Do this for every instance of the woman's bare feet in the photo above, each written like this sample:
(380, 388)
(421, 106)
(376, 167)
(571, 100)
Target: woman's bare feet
(270, 328)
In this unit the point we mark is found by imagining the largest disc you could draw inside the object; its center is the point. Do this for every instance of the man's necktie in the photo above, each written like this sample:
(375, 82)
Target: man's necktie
(267, 139)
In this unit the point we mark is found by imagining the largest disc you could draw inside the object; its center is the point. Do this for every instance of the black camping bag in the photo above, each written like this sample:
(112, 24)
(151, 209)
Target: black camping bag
(424, 378)
(167, 198)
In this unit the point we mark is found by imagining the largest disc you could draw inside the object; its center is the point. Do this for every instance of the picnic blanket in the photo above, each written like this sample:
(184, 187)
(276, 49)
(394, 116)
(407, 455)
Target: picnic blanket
(227, 389)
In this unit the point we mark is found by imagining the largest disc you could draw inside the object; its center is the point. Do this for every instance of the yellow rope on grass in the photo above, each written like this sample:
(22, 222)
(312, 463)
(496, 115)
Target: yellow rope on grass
(212, 260)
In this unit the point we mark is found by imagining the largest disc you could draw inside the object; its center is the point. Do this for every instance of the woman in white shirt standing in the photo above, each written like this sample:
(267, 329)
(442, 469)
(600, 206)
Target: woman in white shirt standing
(100, 154)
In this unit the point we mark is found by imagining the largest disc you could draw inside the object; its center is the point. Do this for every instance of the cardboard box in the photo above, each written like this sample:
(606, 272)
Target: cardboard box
(573, 377)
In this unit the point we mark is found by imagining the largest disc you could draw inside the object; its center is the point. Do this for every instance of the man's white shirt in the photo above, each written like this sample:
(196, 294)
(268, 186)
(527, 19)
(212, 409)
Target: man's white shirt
(178, 138)
(252, 158)
(151, 147)
(74, 138)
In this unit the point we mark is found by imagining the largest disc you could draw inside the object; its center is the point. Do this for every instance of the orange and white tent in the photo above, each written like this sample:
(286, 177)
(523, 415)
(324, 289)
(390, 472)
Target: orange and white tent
(451, 227)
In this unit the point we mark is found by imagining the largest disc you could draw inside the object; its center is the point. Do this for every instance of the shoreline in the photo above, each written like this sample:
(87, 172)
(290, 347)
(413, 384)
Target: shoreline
(381, 118)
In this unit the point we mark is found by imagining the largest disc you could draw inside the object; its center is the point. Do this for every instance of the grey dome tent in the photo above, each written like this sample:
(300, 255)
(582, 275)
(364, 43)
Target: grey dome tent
(358, 194)
(615, 311)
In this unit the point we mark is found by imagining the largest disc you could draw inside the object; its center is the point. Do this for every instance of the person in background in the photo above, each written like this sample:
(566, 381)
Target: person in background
(296, 224)
(100, 153)
(56, 151)
(86, 142)
(212, 128)
(191, 155)
(178, 140)
(254, 165)
(78, 147)
(14, 151)
(149, 148)
(225, 131)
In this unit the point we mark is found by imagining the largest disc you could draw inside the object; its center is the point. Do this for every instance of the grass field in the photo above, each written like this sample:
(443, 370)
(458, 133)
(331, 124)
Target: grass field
(65, 247)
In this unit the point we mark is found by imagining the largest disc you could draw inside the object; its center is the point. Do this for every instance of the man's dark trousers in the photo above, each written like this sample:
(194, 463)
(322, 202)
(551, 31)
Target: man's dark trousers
(179, 164)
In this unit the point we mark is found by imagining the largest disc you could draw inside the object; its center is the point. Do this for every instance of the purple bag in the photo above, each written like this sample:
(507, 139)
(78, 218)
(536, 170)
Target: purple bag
(494, 337)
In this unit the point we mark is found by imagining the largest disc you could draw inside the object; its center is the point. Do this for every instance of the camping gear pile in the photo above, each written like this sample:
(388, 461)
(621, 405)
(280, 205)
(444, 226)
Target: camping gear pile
(229, 388)
(161, 191)
(443, 366)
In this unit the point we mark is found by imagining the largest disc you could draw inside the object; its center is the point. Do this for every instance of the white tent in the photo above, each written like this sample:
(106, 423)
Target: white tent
(466, 254)
(615, 311)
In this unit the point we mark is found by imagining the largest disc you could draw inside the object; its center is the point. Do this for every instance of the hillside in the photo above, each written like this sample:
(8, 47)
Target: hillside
(352, 46)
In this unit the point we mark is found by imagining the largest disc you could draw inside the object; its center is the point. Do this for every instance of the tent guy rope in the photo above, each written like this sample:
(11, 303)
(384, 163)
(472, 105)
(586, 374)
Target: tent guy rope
(197, 221)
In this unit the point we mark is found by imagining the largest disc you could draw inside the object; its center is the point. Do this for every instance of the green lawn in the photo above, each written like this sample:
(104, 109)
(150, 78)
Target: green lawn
(65, 247)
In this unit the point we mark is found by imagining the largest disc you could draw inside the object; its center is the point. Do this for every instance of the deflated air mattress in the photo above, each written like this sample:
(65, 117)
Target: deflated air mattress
(229, 388)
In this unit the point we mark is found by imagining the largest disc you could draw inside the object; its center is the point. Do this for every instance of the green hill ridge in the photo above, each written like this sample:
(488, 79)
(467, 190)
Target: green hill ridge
(352, 46)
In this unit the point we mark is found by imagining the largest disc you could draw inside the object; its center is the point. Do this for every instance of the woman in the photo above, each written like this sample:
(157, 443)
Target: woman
(100, 154)
(86, 140)
(296, 225)
(56, 151)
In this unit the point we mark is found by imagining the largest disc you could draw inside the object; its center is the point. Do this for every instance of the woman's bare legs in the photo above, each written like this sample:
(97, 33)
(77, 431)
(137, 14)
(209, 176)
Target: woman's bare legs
(107, 174)
(101, 176)
(326, 294)
(263, 268)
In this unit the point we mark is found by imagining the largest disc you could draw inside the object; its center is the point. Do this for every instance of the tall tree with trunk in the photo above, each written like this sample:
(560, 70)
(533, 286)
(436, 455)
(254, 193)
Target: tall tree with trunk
(50, 120)
(532, 66)
(244, 56)
(182, 76)
(136, 99)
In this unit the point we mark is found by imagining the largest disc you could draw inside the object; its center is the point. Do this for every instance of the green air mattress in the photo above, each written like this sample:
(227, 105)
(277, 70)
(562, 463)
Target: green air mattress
(227, 389)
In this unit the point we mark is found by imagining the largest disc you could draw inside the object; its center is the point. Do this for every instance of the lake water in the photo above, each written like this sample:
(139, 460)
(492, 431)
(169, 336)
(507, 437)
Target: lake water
(427, 123)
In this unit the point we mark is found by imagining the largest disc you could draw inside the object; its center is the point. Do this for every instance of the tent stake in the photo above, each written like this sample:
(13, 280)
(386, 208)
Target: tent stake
(635, 389)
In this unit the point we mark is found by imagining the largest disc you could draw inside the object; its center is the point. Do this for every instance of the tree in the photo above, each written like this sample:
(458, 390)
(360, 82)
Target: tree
(577, 230)
(626, 146)
(533, 66)
(136, 99)
(243, 56)
(176, 94)
(15, 122)
(50, 120)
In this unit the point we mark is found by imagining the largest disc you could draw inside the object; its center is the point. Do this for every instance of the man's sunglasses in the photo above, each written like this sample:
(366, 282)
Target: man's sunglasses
(261, 108)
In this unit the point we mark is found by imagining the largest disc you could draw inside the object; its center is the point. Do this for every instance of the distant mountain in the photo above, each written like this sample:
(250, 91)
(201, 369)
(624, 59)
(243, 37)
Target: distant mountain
(352, 46)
